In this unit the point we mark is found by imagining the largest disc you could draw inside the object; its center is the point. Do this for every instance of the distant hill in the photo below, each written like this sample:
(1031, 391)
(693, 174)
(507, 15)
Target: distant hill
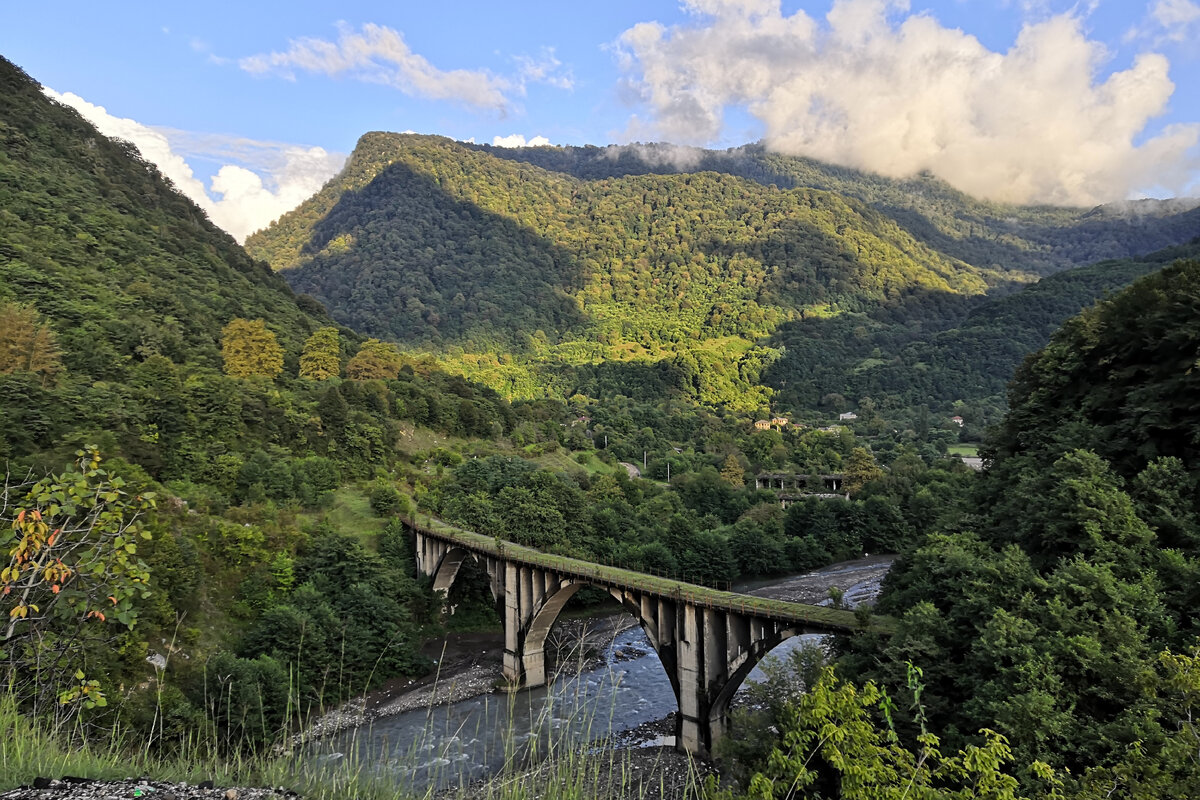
(901, 363)
(536, 281)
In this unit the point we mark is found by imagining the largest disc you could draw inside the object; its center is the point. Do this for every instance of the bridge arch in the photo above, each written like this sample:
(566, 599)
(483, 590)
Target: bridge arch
(543, 620)
(740, 669)
(446, 570)
(549, 610)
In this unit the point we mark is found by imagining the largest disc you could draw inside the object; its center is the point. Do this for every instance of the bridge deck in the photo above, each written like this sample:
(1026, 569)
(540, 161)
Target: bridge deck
(818, 618)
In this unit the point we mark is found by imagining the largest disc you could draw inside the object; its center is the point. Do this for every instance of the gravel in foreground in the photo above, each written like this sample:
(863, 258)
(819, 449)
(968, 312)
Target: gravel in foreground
(68, 788)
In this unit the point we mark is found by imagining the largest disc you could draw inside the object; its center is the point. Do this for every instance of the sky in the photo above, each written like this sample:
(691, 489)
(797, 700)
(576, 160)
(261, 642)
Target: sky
(250, 107)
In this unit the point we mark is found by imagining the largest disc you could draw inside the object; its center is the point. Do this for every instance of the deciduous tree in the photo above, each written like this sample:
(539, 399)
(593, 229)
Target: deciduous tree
(320, 359)
(374, 360)
(249, 349)
(732, 472)
(70, 563)
(27, 344)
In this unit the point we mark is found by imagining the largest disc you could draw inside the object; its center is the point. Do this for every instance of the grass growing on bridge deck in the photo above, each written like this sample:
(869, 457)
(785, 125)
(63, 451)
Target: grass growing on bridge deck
(822, 618)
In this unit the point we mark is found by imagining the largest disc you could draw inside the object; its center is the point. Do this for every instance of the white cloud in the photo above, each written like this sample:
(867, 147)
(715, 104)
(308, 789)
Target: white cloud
(259, 182)
(517, 140)
(379, 54)
(546, 69)
(1179, 19)
(878, 88)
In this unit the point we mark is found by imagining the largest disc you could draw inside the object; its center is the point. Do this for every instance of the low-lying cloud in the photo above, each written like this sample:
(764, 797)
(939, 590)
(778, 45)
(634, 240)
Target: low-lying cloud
(518, 140)
(257, 183)
(876, 88)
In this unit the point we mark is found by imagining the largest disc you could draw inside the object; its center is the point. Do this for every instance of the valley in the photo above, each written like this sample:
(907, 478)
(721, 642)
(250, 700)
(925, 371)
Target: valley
(724, 370)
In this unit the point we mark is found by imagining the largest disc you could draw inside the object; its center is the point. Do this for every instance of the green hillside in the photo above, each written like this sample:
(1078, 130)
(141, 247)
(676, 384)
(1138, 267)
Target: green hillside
(1047, 612)
(653, 271)
(1119, 379)
(94, 239)
(513, 272)
(937, 357)
(1038, 239)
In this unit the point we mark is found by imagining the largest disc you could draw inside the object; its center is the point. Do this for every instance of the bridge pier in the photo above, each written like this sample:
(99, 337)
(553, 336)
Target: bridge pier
(707, 643)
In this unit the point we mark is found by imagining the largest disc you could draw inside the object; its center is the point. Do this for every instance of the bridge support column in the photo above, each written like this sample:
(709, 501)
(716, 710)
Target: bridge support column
(690, 723)
(532, 600)
(514, 667)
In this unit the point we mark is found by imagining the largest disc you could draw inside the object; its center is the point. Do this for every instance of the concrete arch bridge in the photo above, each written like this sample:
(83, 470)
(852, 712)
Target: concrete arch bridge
(708, 640)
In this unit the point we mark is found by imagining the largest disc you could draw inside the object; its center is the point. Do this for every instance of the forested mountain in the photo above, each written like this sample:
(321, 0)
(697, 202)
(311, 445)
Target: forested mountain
(965, 351)
(614, 271)
(434, 244)
(1038, 239)
(96, 241)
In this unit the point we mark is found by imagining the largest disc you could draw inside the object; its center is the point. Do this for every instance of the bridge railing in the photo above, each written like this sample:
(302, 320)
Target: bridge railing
(830, 619)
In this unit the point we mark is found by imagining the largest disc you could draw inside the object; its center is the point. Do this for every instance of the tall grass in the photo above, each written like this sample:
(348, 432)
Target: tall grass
(553, 761)
(31, 748)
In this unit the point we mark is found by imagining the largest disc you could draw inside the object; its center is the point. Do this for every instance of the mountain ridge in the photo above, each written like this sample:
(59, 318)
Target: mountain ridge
(404, 245)
(538, 270)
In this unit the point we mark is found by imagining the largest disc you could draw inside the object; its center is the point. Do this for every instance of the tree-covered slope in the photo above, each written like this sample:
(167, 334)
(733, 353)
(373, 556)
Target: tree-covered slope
(1121, 379)
(122, 265)
(965, 351)
(436, 244)
(1038, 239)
(1045, 613)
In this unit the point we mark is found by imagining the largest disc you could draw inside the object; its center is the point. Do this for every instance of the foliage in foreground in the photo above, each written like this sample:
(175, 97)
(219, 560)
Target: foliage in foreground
(839, 741)
(70, 542)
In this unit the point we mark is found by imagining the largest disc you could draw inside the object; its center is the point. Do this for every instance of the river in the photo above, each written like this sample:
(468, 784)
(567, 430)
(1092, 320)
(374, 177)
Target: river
(470, 739)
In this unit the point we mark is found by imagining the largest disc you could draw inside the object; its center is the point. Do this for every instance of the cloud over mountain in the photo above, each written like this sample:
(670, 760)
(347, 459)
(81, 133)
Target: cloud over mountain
(875, 87)
(256, 183)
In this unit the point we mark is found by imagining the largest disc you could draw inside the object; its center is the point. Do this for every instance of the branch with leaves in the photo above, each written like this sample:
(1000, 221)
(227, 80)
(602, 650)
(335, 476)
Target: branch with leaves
(70, 547)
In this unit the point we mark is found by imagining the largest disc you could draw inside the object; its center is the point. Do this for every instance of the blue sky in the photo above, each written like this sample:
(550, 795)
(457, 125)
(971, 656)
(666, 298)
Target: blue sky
(250, 106)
